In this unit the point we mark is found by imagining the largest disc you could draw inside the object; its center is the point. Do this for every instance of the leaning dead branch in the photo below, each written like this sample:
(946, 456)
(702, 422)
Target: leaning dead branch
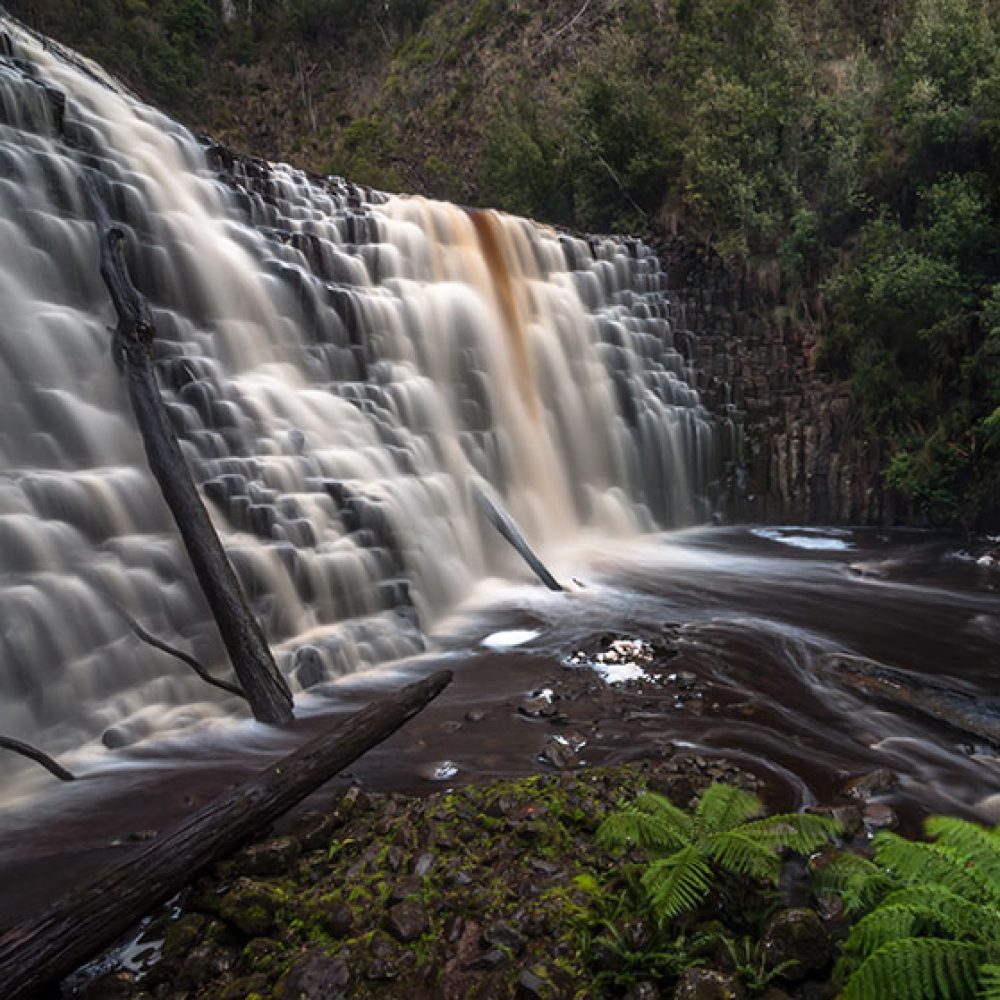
(38, 756)
(265, 689)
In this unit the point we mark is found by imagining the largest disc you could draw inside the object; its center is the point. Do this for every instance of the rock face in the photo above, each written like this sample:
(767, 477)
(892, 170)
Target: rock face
(802, 459)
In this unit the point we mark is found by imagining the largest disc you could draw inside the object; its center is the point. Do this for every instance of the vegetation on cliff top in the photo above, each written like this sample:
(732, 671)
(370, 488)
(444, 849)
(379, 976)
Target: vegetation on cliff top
(846, 151)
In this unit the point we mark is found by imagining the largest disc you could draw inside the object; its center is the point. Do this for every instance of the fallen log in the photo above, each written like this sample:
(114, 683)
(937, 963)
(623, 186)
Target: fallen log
(972, 715)
(508, 528)
(260, 680)
(92, 917)
(38, 756)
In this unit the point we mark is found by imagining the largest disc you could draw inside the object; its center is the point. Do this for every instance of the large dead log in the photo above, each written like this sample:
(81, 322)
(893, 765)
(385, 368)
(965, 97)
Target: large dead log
(265, 689)
(85, 921)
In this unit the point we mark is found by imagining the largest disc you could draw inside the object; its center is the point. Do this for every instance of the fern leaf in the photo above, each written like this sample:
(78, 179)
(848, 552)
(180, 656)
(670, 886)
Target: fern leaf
(887, 923)
(917, 969)
(860, 883)
(918, 863)
(946, 910)
(800, 832)
(678, 883)
(651, 822)
(723, 807)
(743, 855)
(979, 846)
(989, 982)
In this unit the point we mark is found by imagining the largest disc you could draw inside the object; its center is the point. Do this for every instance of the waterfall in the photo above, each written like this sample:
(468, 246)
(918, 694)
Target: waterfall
(339, 364)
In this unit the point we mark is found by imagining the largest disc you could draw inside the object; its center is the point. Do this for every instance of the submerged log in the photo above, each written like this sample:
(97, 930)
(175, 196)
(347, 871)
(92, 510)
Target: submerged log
(971, 714)
(507, 527)
(265, 689)
(78, 926)
(38, 756)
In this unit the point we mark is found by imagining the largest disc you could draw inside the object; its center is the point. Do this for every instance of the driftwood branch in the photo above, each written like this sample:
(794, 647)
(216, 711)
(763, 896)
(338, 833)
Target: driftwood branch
(264, 687)
(38, 756)
(78, 926)
(507, 527)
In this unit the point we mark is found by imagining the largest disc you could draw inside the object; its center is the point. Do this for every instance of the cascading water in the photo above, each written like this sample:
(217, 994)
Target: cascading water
(339, 365)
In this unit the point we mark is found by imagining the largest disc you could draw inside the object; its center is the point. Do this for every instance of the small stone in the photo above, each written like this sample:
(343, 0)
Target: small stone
(423, 864)
(403, 888)
(203, 963)
(849, 818)
(537, 707)
(381, 969)
(559, 753)
(315, 976)
(272, 857)
(547, 868)
(502, 935)
(113, 986)
(798, 936)
(864, 786)
(251, 906)
(707, 984)
(491, 960)
(407, 921)
(476, 715)
(643, 991)
(453, 928)
(338, 920)
(879, 816)
(529, 986)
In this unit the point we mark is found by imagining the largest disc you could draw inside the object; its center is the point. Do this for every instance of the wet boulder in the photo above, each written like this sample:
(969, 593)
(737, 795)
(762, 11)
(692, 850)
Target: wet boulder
(708, 984)
(251, 907)
(797, 937)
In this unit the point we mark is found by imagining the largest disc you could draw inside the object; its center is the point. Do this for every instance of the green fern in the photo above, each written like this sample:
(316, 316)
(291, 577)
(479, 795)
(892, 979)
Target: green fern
(721, 837)
(932, 926)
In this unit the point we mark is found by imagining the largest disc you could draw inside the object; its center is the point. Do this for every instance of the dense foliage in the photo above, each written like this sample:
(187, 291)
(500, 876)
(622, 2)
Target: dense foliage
(843, 151)
(928, 914)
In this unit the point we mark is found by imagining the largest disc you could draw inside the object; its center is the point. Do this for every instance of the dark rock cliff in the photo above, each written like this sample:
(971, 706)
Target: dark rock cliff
(804, 456)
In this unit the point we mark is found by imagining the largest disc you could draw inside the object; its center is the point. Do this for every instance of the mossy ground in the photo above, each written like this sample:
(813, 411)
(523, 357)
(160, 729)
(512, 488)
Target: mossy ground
(485, 891)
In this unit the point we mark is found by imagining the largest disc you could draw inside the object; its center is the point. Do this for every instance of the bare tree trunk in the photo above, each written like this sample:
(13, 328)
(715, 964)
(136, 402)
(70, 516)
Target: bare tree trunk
(91, 918)
(266, 690)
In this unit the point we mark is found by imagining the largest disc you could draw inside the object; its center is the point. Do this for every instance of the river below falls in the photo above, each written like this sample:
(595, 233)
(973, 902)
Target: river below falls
(742, 619)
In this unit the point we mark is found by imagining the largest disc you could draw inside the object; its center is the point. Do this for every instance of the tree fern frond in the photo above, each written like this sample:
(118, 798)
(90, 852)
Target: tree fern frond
(887, 923)
(981, 847)
(800, 832)
(677, 883)
(651, 822)
(743, 855)
(916, 862)
(723, 807)
(989, 982)
(952, 913)
(916, 969)
(860, 883)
